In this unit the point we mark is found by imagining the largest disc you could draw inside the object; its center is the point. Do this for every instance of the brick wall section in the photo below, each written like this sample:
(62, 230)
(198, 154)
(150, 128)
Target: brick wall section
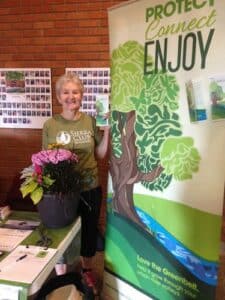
(47, 34)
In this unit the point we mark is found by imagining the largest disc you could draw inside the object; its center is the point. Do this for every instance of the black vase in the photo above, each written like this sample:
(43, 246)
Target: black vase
(58, 210)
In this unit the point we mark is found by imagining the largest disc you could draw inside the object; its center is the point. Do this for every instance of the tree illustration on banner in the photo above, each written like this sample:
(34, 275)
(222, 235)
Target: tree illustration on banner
(148, 146)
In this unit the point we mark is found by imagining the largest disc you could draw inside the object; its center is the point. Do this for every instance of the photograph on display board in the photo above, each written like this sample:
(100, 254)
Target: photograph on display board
(195, 98)
(96, 83)
(217, 96)
(25, 97)
(15, 82)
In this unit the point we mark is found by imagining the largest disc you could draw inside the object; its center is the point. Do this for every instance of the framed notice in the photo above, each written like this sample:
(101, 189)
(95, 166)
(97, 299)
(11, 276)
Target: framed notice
(25, 97)
(96, 83)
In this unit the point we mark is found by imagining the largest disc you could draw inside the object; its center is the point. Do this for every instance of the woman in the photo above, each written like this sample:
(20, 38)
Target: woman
(77, 131)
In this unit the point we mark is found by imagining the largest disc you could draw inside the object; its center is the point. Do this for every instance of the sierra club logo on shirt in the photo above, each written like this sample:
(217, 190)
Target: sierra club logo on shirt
(77, 137)
(63, 137)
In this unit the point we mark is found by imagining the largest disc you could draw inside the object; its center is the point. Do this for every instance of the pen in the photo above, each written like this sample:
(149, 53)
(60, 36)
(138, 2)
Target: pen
(21, 257)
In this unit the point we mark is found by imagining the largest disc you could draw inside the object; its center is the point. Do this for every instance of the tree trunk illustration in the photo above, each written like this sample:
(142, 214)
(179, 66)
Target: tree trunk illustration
(125, 173)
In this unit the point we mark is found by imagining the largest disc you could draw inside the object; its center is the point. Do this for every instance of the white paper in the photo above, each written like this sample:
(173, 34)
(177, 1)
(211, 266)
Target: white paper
(9, 292)
(21, 224)
(34, 259)
(10, 238)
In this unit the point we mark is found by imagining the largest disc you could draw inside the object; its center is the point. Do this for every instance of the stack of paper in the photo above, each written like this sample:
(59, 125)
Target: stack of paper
(12, 292)
(21, 224)
(5, 211)
(25, 263)
(10, 238)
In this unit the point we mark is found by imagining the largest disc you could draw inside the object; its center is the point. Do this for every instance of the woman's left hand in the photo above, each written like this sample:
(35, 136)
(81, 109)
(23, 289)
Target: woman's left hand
(107, 127)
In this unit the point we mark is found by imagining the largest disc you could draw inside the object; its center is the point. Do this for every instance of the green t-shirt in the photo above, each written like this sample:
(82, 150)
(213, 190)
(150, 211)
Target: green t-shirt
(80, 136)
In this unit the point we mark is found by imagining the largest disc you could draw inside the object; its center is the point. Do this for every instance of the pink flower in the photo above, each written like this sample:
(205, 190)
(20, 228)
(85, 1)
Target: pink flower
(40, 158)
(47, 173)
(38, 169)
(54, 156)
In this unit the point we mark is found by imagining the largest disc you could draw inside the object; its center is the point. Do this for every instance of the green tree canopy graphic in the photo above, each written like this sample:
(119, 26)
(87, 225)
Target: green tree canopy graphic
(147, 142)
(127, 75)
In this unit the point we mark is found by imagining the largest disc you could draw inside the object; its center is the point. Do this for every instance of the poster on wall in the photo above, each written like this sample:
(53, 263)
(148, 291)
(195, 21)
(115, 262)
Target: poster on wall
(96, 83)
(25, 97)
(167, 164)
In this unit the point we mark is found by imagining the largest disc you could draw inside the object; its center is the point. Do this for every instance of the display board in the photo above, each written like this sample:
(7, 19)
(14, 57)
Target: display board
(167, 164)
(25, 97)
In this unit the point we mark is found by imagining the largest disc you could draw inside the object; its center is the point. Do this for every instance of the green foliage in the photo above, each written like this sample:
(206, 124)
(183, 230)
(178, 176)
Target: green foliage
(155, 121)
(179, 157)
(162, 89)
(115, 132)
(32, 187)
(28, 187)
(37, 194)
(66, 178)
(152, 129)
(53, 172)
(154, 98)
(56, 178)
(127, 75)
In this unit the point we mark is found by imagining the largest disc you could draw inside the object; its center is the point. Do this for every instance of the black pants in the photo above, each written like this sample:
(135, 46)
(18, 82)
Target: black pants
(89, 210)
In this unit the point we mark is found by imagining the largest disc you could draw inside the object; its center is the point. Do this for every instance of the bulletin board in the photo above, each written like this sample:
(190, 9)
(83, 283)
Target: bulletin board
(25, 97)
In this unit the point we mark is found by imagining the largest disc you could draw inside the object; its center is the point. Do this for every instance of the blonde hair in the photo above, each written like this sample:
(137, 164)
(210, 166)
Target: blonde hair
(68, 77)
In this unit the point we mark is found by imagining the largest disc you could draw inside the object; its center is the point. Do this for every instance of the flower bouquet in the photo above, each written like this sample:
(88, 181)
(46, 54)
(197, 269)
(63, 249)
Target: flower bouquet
(52, 175)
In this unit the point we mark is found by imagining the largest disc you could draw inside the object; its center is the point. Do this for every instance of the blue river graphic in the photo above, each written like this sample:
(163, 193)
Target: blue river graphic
(202, 269)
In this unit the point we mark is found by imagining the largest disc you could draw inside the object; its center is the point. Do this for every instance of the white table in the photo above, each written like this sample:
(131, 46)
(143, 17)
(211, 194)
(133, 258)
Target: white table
(36, 285)
(32, 289)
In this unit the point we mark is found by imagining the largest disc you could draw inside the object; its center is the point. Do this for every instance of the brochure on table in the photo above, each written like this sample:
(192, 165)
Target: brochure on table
(10, 238)
(25, 263)
(13, 232)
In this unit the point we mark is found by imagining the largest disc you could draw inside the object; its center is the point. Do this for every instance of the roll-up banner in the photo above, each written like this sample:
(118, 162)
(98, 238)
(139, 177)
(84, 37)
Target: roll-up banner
(167, 164)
